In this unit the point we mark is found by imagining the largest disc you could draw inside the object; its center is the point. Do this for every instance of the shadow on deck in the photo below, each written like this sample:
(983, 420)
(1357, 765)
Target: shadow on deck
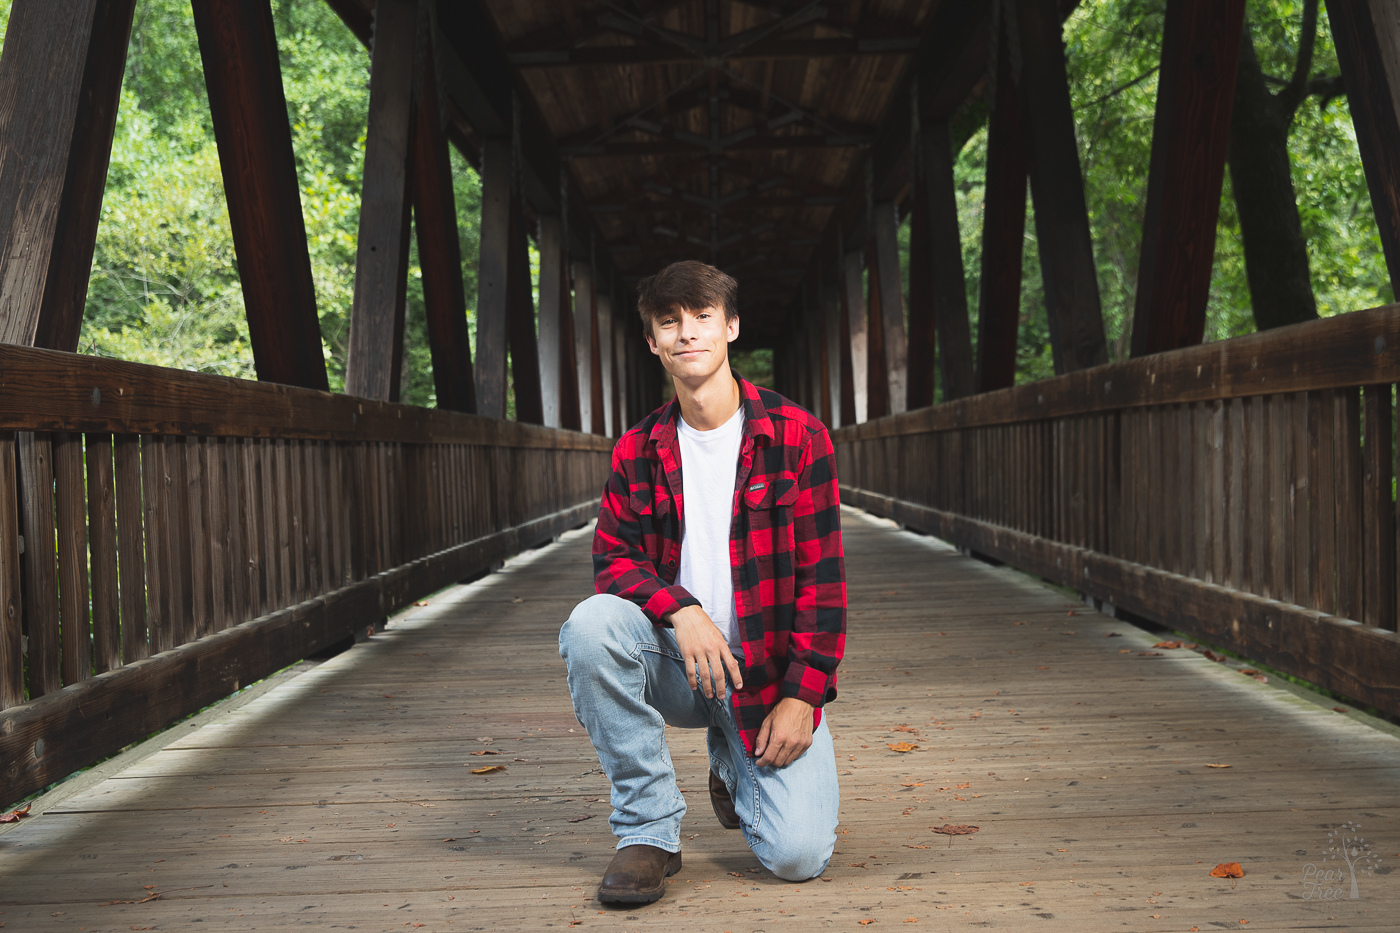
(344, 798)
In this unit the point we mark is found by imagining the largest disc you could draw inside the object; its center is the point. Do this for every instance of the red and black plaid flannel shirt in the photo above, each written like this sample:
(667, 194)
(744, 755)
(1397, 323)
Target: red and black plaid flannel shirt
(784, 547)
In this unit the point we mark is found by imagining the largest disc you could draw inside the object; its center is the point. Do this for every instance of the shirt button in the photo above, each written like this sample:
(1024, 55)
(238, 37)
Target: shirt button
(671, 562)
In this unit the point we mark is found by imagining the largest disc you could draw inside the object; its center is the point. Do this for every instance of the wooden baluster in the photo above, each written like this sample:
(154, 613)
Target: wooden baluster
(178, 531)
(102, 521)
(216, 529)
(157, 559)
(198, 532)
(74, 610)
(131, 552)
(1379, 463)
(1237, 466)
(11, 598)
(1281, 494)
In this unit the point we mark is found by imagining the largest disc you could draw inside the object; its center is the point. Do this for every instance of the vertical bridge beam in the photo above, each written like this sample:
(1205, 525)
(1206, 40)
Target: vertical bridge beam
(381, 262)
(1367, 35)
(60, 80)
(524, 352)
(493, 278)
(1190, 138)
(836, 354)
(896, 348)
(1003, 231)
(1057, 185)
(936, 198)
(558, 379)
(439, 253)
(857, 335)
(583, 341)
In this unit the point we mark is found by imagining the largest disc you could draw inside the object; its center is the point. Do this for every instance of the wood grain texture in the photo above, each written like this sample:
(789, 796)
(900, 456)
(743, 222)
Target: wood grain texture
(891, 292)
(1367, 37)
(1057, 186)
(937, 198)
(44, 389)
(238, 48)
(102, 542)
(11, 595)
(41, 89)
(75, 234)
(1050, 732)
(41, 611)
(1349, 350)
(375, 358)
(439, 252)
(493, 277)
(520, 326)
(1003, 233)
(1190, 136)
(71, 521)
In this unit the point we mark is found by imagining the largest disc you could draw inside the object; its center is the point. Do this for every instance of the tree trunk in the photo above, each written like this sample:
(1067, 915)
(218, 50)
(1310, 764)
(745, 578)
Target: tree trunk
(1275, 253)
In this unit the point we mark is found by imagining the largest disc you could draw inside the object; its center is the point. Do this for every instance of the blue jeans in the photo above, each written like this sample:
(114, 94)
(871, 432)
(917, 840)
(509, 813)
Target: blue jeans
(628, 682)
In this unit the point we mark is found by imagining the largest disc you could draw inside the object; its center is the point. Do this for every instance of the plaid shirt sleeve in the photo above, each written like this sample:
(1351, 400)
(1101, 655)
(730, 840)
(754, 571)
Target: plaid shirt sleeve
(628, 546)
(818, 638)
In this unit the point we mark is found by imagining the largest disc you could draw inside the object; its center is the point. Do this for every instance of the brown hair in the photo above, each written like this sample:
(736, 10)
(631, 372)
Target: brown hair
(688, 285)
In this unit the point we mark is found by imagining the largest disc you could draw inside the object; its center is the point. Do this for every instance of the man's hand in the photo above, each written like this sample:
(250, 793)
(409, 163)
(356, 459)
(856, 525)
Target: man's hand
(785, 735)
(703, 646)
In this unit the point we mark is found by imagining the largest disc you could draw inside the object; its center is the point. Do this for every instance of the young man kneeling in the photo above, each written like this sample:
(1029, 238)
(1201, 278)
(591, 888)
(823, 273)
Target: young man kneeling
(721, 604)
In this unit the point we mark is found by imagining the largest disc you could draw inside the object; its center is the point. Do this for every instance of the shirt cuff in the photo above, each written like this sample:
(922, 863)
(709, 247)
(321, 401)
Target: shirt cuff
(666, 601)
(809, 685)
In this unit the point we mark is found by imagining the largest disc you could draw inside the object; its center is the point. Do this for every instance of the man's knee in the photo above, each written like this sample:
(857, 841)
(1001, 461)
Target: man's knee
(599, 623)
(800, 856)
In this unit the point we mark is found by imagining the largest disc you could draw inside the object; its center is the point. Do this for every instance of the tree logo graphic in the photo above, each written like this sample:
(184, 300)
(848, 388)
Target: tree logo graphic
(1345, 846)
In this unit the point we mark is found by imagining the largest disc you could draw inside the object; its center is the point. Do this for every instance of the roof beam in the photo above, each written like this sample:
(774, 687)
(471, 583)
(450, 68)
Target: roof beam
(677, 142)
(774, 50)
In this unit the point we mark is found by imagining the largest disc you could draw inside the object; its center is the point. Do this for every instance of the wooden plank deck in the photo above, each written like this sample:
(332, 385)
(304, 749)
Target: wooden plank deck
(344, 799)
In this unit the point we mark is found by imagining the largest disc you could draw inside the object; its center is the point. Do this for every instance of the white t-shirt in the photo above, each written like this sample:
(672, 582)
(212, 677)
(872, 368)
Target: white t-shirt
(709, 463)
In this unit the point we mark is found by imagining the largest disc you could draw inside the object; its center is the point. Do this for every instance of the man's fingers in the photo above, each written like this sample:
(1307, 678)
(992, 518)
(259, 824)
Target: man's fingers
(732, 665)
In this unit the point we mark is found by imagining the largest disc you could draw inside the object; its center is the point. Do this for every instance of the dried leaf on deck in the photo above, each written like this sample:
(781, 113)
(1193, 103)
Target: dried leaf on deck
(906, 729)
(866, 923)
(490, 770)
(1167, 644)
(14, 816)
(1339, 709)
(1209, 765)
(961, 829)
(487, 751)
(1227, 870)
(902, 747)
(581, 817)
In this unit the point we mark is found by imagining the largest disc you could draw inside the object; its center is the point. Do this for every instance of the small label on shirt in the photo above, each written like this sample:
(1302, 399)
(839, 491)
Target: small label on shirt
(756, 486)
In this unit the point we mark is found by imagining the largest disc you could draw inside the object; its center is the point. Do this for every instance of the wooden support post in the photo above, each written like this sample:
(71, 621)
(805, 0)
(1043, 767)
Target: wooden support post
(857, 335)
(40, 613)
(1057, 186)
(605, 360)
(524, 352)
(836, 355)
(567, 350)
(553, 283)
(896, 347)
(847, 389)
(493, 275)
(1003, 230)
(60, 79)
(877, 372)
(238, 47)
(375, 359)
(923, 309)
(944, 258)
(1367, 36)
(598, 402)
(583, 341)
(11, 599)
(439, 253)
(1190, 137)
(620, 420)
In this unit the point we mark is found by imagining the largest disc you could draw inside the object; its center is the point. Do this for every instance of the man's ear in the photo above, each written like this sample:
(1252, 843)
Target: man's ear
(732, 325)
(651, 342)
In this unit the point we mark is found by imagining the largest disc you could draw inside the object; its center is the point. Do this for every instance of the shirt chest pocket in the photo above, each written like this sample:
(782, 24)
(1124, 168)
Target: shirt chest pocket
(768, 507)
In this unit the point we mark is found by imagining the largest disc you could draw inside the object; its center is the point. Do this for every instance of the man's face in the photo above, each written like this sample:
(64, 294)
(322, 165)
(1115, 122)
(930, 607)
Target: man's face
(692, 344)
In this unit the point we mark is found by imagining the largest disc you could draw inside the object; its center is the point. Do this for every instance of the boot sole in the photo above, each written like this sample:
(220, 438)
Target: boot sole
(633, 896)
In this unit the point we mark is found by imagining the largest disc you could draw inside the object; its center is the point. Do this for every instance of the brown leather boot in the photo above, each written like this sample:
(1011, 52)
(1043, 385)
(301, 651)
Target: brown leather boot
(637, 875)
(723, 803)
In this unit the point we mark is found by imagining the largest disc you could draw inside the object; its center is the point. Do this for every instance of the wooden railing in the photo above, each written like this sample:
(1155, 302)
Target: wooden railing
(1240, 491)
(168, 537)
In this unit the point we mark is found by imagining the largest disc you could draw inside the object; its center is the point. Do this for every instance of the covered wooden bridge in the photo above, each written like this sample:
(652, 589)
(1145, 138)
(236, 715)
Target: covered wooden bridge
(169, 538)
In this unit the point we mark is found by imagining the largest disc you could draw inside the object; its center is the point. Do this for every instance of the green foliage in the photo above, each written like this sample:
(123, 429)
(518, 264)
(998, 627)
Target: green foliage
(164, 287)
(1113, 48)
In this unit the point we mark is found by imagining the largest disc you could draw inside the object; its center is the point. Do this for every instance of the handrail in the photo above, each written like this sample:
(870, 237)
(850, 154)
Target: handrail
(167, 537)
(1240, 491)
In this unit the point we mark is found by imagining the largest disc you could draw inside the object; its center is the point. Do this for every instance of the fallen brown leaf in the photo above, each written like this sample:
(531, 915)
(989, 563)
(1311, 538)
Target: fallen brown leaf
(902, 747)
(582, 817)
(1248, 671)
(487, 751)
(866, 923)
(1339, 709)
(1149, 654)
(1209, 765)
(14, 816)
(490, 770)
(1043, 667)
(1227, 870)
(1027, 884)
(949, 829)
(1167, 644)
(906, 729)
